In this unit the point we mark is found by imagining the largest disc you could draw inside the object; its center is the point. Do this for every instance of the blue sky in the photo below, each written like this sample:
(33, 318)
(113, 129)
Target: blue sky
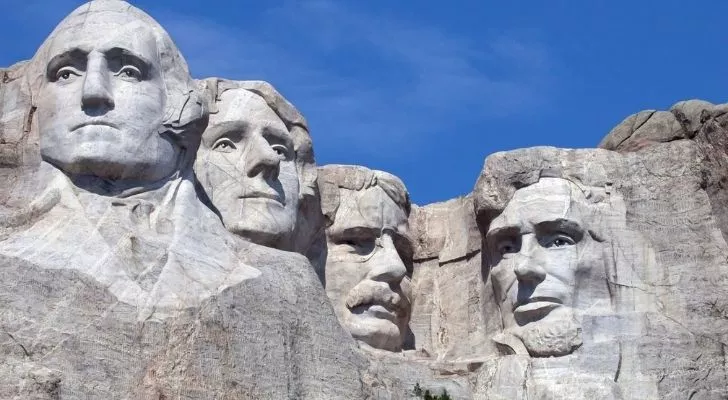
(426, 90)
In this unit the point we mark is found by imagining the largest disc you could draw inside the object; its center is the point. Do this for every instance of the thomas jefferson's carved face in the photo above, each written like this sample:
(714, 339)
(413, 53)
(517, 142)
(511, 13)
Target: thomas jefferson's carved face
(366, 267)
(535, 248)
(246, 164)
(103, 98)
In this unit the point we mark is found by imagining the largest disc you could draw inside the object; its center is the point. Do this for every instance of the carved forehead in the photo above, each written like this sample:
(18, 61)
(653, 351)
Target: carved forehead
(111, 23)
(241, 104)
(368, 208)
(549, 199)
(101, 19)
(124, 30)
(545, 188)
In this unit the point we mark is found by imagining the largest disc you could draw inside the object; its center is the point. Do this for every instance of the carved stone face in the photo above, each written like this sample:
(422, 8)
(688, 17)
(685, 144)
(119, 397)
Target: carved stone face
(246, 164)
(535, 248)
(366, 273)
(103, 98)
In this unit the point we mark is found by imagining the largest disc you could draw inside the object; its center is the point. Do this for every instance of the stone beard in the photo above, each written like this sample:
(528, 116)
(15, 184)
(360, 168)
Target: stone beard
(367, 266)
(539, 247)
(246, 164)
(103, 99)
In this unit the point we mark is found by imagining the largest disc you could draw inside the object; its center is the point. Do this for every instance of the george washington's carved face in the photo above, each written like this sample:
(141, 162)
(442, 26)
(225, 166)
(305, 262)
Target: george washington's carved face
(103, 97)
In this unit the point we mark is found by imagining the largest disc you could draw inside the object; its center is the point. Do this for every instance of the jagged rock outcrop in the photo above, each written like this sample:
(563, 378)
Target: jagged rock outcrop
(447, 315)
(704, 123)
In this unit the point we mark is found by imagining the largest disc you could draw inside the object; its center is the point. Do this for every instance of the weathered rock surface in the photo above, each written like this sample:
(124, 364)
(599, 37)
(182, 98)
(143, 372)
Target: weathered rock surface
(118, 282)
(648, 310)
(66, 336)
(593, 273)
(707, 125)
(17, 146)
(448, 293)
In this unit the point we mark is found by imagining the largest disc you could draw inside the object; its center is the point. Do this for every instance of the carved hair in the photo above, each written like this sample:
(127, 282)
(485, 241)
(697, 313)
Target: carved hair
(506, 172)
(332, 178)
(185, 113)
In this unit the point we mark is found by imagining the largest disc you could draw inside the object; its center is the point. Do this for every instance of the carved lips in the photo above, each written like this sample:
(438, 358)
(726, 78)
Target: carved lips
(257, 189)
(262, 195)
(94, 123)
(377, 299)
(535, 308)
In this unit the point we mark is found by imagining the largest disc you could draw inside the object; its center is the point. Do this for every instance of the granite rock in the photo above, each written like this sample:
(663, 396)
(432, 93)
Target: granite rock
(118, 281)
(640, 318)
(162, 237)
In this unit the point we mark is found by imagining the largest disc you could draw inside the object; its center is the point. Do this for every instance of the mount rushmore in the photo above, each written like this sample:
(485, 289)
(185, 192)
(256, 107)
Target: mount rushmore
(164, 237)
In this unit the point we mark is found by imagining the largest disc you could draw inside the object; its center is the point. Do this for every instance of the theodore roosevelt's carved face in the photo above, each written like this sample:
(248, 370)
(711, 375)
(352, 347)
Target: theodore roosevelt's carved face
(103, 98)
(366, 267)
(246, 164)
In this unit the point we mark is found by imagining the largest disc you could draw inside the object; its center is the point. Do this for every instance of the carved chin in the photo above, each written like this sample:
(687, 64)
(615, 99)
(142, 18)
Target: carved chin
(375, 332)
(550, 338)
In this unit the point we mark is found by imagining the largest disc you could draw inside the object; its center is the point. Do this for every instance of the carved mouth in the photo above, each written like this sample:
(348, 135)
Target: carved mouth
(376, 311)
(535, 308)
(94, 123)
(261, 195)
(390, 306)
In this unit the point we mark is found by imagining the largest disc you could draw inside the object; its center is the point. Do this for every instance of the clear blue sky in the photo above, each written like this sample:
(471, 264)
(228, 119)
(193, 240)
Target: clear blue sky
(427, 89)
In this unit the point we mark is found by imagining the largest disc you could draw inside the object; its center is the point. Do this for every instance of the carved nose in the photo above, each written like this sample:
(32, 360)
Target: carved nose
(97, 94)
(262, 159)
(530, 270)
(528, 266)
(389, 266)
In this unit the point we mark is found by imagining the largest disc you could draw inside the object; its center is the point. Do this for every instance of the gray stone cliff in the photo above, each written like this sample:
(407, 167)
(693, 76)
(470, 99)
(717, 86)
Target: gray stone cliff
(163, 237)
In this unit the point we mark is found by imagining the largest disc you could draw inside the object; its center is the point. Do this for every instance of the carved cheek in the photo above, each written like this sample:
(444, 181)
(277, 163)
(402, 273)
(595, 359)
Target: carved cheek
(561, 264)
(221, 174)
(342, 275)
(55, 102)
(503, 278)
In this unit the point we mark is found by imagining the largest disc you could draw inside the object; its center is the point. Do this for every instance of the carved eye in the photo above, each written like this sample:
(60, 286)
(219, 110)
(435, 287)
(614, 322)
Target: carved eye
(363, 246)
(66, 73)
(281, 150)
(559, 240)
(130, 72)
(224, 145)
(507, 247)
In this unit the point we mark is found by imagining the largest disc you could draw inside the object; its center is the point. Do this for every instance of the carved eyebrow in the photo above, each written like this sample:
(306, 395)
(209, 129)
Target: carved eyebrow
(77, 57)
(398, 236)
(498, 231)
(235, 130)
(560, 224)
(128, 57)
(354, 231)
(338, 234)
(568, 226)
(278, 134)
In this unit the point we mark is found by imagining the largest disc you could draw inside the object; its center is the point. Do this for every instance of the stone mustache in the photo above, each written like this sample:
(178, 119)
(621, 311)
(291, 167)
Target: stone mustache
(165, 237)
